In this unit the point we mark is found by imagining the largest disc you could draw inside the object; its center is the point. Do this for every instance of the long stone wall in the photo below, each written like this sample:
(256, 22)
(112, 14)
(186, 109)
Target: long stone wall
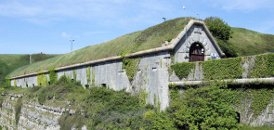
(151, 77)
(32, 115)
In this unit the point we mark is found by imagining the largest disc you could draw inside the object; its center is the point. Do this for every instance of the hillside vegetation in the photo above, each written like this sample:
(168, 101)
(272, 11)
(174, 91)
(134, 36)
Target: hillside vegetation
(247, 42)
(149, 38)
(9, 62)
(101, 108)
(243, 41)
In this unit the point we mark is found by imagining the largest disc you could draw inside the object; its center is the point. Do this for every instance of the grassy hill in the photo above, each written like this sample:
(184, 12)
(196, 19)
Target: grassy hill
(9, 62)
(149, 38)
(244, 42)
(248, 42)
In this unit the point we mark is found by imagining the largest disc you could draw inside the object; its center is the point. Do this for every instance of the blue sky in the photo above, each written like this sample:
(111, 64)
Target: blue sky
(34, 26)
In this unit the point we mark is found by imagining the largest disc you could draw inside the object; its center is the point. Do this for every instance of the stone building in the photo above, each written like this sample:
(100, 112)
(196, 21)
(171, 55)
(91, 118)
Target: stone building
(193, 43)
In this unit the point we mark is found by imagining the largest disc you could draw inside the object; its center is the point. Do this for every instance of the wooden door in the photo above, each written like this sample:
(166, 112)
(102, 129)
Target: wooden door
(196, 52)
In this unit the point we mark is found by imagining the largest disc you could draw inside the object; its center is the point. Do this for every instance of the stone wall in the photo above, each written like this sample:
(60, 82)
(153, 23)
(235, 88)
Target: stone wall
(32, 115)
(196, 34)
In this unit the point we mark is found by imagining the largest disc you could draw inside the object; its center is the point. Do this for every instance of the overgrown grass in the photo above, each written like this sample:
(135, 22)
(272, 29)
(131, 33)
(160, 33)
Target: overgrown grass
(97, 107)
(101, 108)
(246, 42)
(243, 41)
(9, 62)
(149, 38)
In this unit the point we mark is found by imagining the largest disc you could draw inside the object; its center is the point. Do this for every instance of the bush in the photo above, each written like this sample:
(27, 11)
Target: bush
(218, 28)
(203, 108)
(158, 121)
(222, 32)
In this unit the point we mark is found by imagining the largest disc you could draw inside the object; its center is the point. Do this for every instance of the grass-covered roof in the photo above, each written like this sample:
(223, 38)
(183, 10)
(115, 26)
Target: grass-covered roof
(151, 37)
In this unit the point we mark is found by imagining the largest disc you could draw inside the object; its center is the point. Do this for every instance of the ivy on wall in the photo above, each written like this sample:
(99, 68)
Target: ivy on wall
(264, 66)
(182, 70)
(216, 106)
(131, 66)
(52, 75)
(42, 80)
(88, 75)
(74, 75)
(230, 68)
(93, 77)
(222, 69)
(259, 95)
(15, 82)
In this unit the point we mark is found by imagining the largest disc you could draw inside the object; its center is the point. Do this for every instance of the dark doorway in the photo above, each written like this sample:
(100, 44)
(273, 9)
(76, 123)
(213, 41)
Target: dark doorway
(196, 52)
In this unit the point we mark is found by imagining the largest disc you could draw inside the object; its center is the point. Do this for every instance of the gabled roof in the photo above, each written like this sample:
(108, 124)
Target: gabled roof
(162, 37)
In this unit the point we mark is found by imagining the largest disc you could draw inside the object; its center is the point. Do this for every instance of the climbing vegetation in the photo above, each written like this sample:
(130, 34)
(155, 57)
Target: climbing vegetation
(131, 66)
(222, 69)
(264, 66)
(88, 75)
(42, 80)
(52, 75)
(213, 69)
(182, 70)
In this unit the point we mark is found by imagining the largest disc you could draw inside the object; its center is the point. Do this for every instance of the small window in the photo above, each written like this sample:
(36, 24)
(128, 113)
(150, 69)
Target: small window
(104, 85)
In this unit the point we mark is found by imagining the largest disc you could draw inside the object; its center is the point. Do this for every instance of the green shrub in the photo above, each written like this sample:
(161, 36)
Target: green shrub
(203, 108)
(222, 69)
(52, 76)
(158, 121)
(222, 32)
(42, 80)
(182, 70)
(218, 28)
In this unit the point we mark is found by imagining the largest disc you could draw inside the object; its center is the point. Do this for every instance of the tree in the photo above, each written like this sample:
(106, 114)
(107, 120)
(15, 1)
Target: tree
(222, 32)
(218, 28)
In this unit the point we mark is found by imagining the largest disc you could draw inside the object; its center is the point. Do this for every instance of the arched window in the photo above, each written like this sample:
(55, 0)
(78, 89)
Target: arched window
(196, 52)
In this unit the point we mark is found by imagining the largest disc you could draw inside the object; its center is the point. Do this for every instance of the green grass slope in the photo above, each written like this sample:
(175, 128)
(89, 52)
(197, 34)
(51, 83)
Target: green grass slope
(9, 62)
(247, 42)
(149, 38)
(243, 41)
